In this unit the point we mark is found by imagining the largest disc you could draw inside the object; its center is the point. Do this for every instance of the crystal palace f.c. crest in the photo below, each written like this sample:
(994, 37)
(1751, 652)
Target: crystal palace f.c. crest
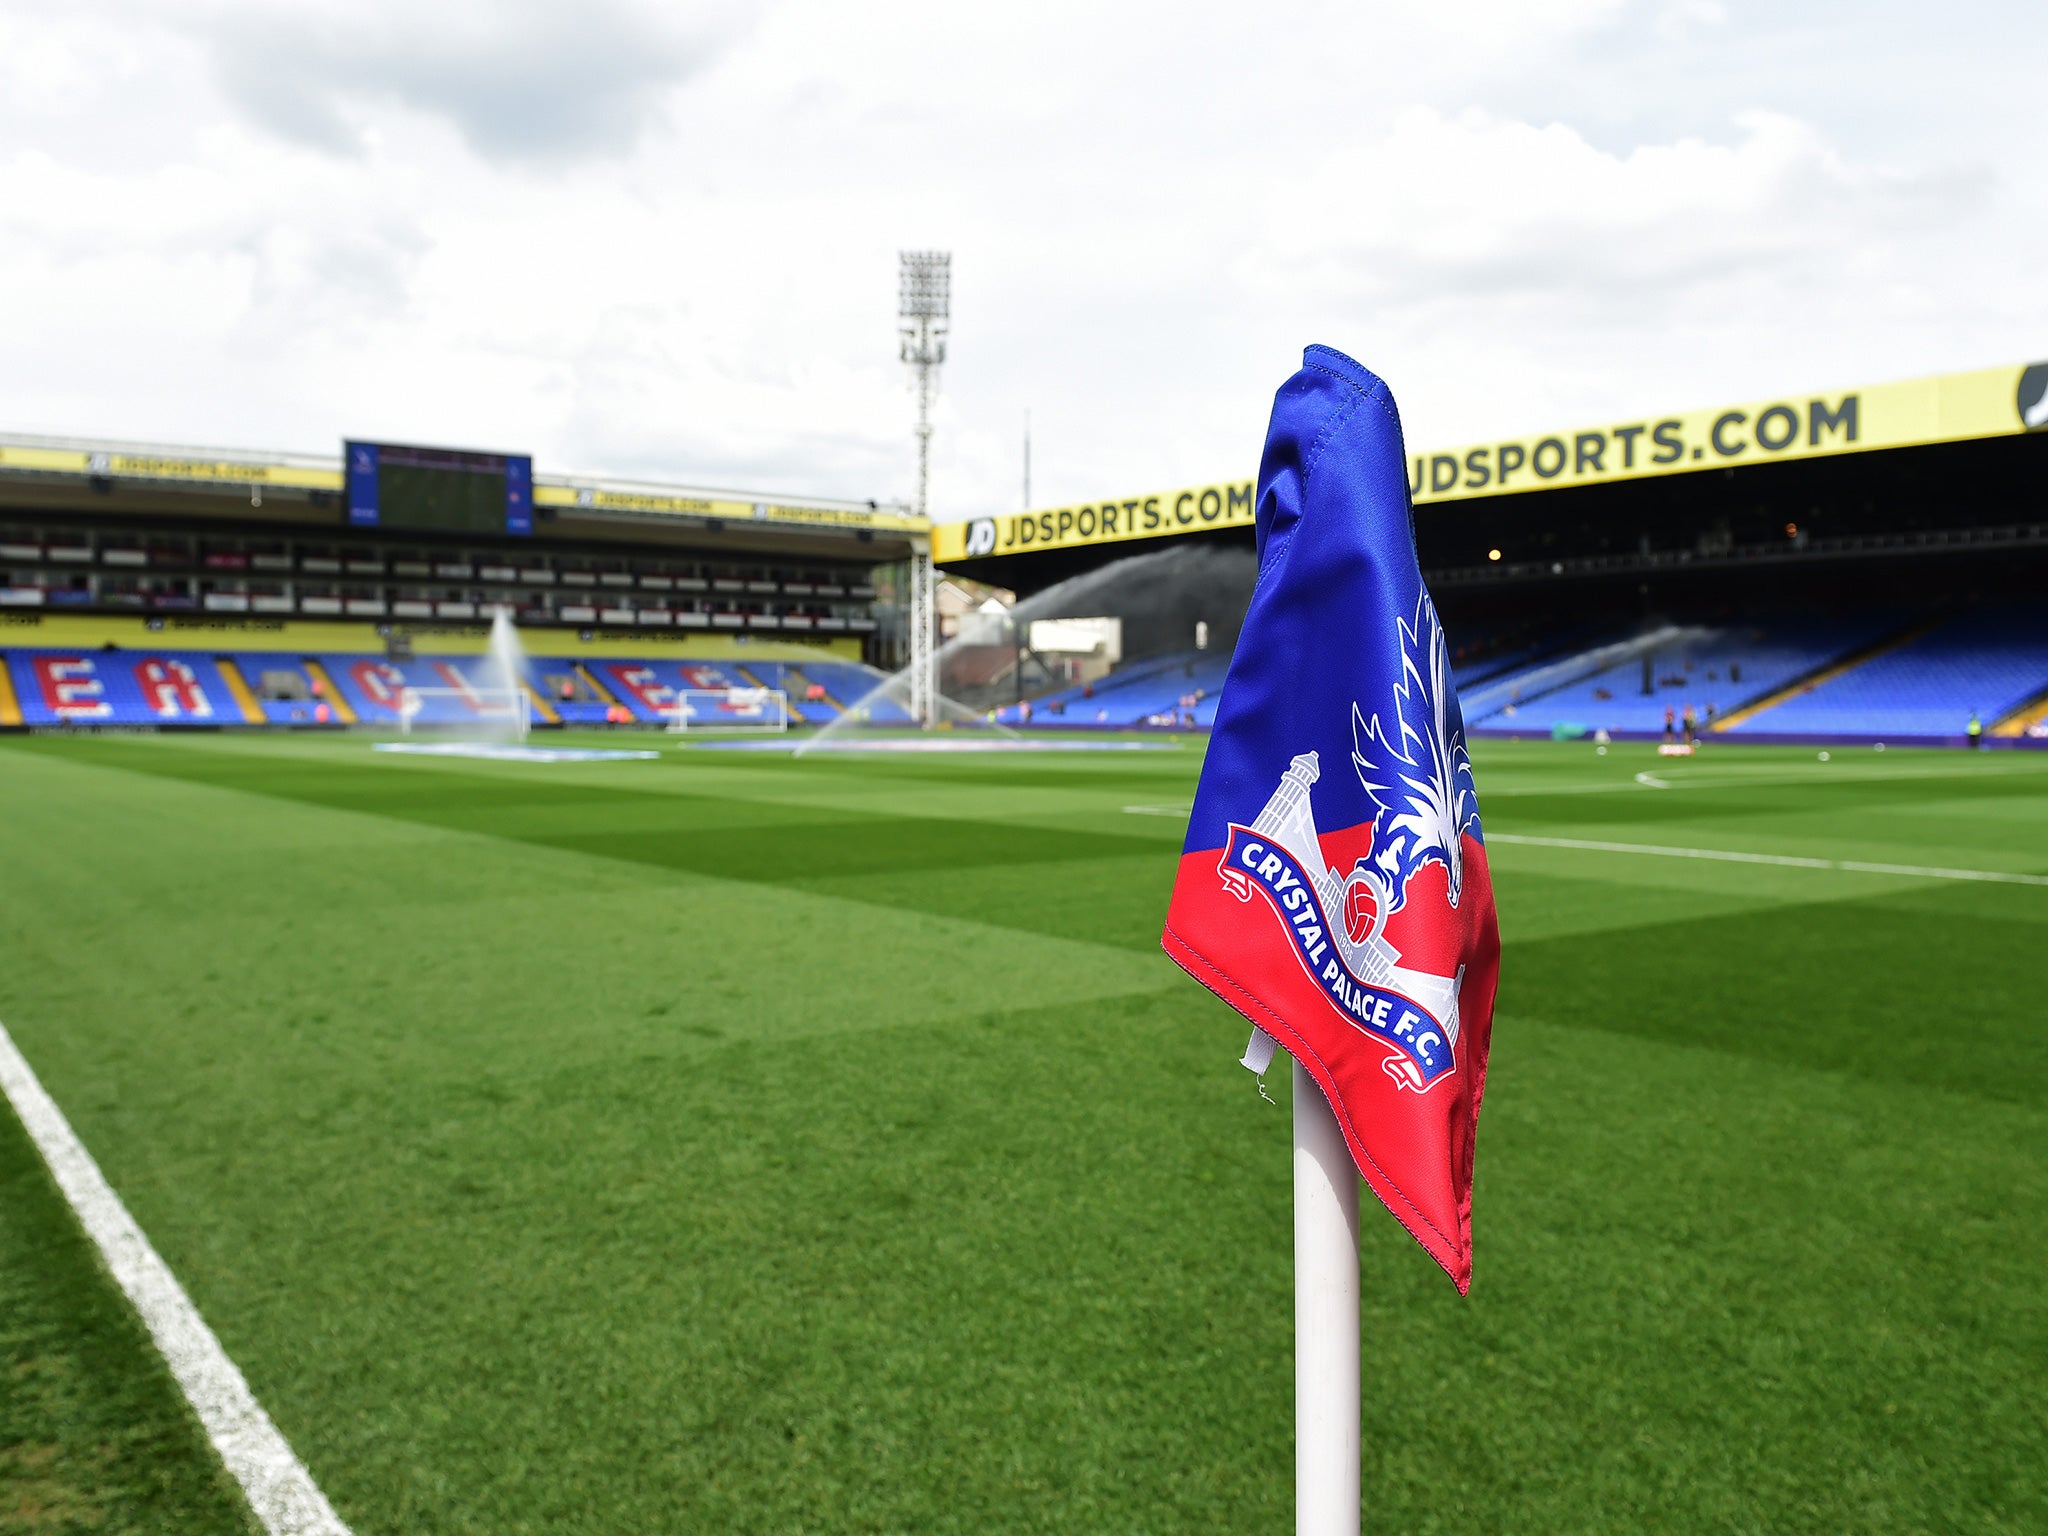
(1419, 779)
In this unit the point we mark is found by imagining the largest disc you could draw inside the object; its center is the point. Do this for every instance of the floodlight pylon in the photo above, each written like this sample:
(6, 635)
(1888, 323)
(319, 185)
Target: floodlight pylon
(923, 316)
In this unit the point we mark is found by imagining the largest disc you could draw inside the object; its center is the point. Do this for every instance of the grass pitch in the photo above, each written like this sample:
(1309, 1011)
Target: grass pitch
(725, 1143)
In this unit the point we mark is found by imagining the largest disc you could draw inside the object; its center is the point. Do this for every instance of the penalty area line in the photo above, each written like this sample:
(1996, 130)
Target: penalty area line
(276, 1483)
(1784, 860)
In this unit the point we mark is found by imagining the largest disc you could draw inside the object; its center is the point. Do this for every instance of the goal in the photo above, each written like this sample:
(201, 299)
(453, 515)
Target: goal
(495, 707)
(729, 709)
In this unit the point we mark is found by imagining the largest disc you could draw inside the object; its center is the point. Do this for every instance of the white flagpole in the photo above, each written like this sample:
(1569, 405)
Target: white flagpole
(1325, 1319)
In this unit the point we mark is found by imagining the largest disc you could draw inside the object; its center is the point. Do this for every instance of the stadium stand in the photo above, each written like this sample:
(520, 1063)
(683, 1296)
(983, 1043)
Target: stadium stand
(283, 688)
(797, 684)
(374, 687)
(129, 567)
(1882, 674)
(1841, 581)
(121, 687)
(1483, 658)
(55, 687)
(1486, 666)
(1161, 690)
(573, 697)
(1717, 671)
(850, 683)
(649, 688)
(1988, 663)
(2029, 721)
(1501, 694)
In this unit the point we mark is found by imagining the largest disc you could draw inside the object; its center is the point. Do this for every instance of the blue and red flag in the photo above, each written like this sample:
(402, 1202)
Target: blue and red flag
(1334, 888)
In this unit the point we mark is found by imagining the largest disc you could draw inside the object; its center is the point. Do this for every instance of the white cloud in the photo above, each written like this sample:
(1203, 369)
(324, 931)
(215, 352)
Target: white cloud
(661, 241)
(1452, 206)
(516, 78)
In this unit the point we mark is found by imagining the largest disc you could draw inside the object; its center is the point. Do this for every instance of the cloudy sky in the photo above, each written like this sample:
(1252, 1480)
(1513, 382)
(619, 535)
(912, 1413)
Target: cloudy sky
(659, 239)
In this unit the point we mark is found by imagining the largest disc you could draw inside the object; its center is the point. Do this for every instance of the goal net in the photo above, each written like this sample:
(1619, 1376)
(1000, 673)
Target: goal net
(729, 709)
(505, 711)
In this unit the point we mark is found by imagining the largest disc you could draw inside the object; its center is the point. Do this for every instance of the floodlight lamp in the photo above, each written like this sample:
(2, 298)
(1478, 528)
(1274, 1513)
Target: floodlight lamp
(925, 285)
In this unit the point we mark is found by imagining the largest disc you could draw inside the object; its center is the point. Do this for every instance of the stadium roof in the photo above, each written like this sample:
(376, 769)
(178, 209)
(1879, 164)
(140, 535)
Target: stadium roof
(76, 462)
(1986, 403)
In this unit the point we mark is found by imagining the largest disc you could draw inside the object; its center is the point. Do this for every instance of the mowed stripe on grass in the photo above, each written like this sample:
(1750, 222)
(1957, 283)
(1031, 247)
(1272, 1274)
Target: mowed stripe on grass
(756, 1145)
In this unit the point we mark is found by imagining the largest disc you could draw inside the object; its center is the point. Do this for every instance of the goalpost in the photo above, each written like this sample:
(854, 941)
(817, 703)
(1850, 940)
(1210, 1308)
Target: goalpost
(729, 709)
(484, 706)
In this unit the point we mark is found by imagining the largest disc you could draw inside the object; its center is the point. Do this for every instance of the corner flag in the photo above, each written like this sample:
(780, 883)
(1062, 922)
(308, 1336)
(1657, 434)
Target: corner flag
(1333, 887)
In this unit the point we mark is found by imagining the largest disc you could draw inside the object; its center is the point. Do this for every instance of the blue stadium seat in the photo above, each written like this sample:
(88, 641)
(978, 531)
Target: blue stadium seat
(1990, 661)
(291, 669)
(1146, 692)
(120, 687)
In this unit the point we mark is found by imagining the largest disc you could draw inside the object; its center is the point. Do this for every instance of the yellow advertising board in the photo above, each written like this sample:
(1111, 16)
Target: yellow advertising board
(166, 466)
(1198, 507)
(1990, 402)
(246, 474)
(682, 504)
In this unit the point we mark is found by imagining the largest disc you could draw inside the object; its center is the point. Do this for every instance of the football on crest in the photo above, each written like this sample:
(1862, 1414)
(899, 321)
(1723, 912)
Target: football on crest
(1361, 909)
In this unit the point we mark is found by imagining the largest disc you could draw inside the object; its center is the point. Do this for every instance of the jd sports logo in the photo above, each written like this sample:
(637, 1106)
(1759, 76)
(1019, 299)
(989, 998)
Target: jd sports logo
(2033, 397)
(981, 537)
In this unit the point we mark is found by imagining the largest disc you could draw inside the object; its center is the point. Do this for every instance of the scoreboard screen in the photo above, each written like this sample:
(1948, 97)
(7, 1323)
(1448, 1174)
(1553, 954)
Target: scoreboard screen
(438, 490)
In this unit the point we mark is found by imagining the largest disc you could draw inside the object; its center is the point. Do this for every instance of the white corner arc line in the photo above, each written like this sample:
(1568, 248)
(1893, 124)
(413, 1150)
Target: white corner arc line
(279, 1488)
(1786, 860)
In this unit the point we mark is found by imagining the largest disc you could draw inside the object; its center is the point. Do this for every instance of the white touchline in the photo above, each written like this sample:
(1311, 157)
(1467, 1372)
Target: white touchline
(1692, 779)
(1727, 776)
(1792, 861)
(279, 1488)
